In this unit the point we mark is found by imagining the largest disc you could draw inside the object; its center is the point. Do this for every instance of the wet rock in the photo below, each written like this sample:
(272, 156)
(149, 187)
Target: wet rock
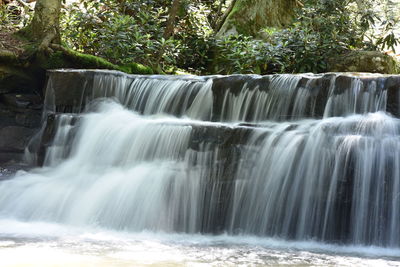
(7, 117)
(393, 90)
(15, 138)
(22, 101)
(72, 89)
(68, 91)
(8, 169)
(29, 119)
(7, 157)
(235, 83)
(342, 84)
(17, 80)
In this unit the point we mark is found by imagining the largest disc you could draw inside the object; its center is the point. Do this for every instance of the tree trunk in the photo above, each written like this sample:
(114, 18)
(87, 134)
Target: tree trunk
(222, 20)
(45, 25)
(248, 17)
(169, 29)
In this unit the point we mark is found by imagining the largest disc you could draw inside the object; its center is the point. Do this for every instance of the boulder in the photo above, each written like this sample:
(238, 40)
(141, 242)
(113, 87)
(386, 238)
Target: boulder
(364, 61)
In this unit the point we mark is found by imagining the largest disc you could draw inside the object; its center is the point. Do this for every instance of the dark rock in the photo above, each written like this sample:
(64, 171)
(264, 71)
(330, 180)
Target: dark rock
(17, 80)
(7, 157)
(7, 117)
(392, 86)
(30, 119)
(72, 89)
(235, 83)
(15, 139)
(342, 84)
(68, 90)
(22, 101)
(8, 169)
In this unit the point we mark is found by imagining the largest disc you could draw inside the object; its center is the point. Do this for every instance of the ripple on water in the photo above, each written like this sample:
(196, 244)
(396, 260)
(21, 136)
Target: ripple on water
(43, 244)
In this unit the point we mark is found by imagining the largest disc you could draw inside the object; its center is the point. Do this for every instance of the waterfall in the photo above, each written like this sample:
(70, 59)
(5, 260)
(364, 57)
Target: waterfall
(155, 96)
(297, 157)
(254, 104)
(357, 99)
(125, 172)
(332, 179)
(245, 98)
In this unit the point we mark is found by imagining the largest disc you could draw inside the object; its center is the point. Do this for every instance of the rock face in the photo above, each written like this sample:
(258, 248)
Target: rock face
(19, 80)
(306, 96)
(236, 98)
(365, 61)
(20, 116)
(15, 138)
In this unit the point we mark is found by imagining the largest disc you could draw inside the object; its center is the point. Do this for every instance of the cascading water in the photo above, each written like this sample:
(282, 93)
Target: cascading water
(250, 161)
(334, 179)
(357, 99)
(245, 98)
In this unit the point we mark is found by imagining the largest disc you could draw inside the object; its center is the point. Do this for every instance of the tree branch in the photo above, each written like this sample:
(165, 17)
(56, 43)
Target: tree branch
(226, 14)
(25, 5)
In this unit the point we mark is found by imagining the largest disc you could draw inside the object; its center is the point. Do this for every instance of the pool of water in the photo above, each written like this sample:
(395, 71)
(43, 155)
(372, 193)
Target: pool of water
(47, 244)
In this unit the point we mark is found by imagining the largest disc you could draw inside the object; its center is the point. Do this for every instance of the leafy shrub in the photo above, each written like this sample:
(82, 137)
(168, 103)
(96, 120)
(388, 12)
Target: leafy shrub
(13, 16)
(322, 30)
(132, 31)
(242, 54)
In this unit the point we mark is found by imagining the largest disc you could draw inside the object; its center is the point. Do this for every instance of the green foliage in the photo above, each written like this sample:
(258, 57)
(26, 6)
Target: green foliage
(132, 31)
(242, 54)
(322, 30)
(390, 23)
(101, 28)
(14, 17)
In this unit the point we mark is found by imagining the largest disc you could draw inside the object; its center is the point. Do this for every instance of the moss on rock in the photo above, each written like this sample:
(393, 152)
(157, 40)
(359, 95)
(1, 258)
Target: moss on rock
(364, 61)
(67, 58)
(135, 68)
(25, 73)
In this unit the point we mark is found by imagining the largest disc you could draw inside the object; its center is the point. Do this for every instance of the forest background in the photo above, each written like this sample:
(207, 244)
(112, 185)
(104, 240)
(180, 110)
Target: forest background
(219, 37)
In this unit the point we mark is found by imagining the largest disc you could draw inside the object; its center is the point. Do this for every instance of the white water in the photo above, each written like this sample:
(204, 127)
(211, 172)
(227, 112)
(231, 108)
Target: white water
(274, 97)
(253, 104)
(278, 193)
(47, 244)
(356, 99)
(335, 179)
(158, 95)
